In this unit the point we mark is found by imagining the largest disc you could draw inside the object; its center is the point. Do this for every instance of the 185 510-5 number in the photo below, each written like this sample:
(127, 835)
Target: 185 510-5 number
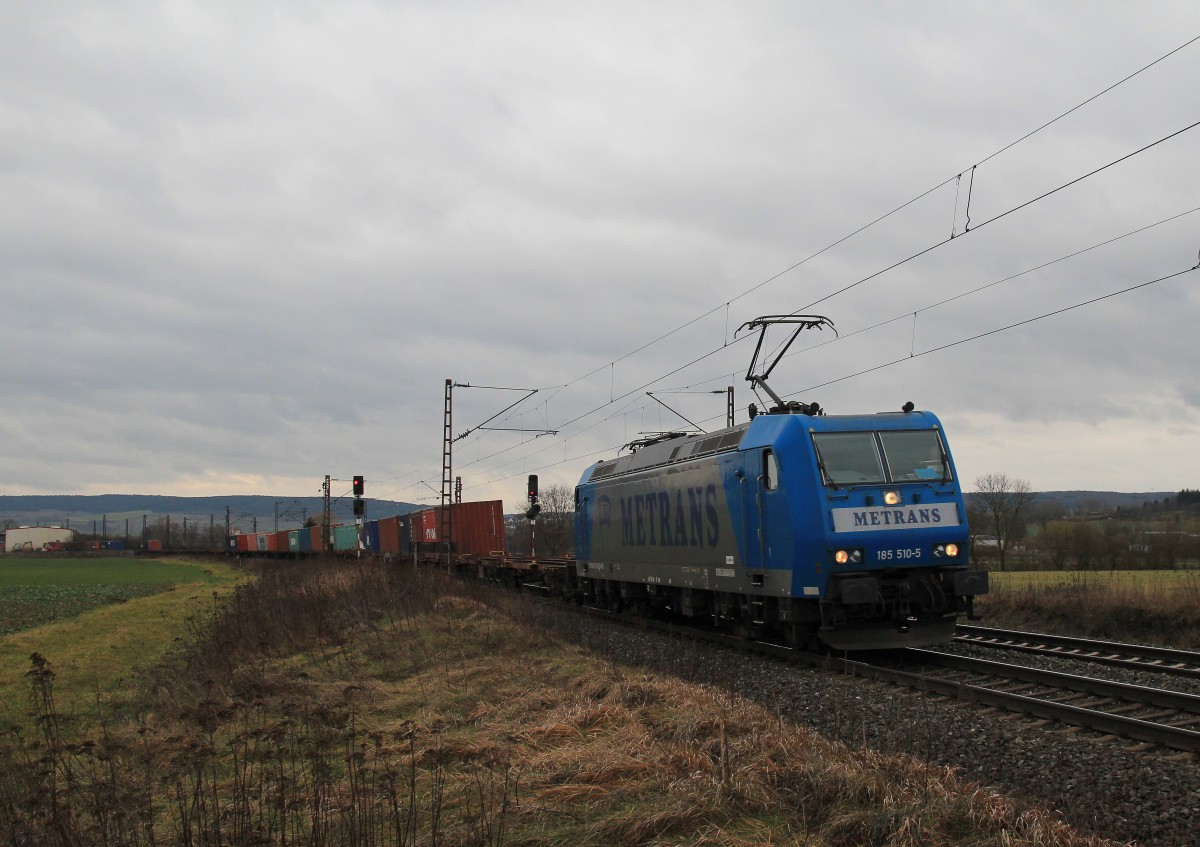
(899, 554)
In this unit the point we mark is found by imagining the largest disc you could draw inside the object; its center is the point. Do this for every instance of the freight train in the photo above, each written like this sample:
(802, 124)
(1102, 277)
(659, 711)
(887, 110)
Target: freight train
(848, 530)
(478, 530)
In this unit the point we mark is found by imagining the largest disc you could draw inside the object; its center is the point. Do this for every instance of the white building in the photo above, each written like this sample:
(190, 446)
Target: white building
(35, 537)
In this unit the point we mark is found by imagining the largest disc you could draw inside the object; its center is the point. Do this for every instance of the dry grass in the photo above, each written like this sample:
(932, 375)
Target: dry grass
(1154, 607)
(444, 722)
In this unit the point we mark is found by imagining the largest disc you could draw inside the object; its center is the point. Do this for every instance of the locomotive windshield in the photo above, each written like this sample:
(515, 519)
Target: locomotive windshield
(857, 458)
(915, 455)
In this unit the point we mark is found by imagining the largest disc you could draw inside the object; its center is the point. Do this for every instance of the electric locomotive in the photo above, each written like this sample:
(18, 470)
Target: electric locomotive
(850, 529)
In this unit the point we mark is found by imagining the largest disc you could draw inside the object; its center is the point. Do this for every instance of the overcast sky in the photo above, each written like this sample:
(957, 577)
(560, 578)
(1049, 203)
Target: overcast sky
(243, 245)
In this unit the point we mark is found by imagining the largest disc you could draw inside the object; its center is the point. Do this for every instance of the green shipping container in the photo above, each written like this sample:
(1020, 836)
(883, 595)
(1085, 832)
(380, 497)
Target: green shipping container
(345, 538)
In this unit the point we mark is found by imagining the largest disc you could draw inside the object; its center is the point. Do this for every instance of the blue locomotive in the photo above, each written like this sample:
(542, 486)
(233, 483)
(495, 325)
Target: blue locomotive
(846, 528)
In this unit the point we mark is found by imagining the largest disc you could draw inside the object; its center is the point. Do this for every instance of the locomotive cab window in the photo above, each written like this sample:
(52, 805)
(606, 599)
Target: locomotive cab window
(770, 470)
(915, 455)
(849, 458)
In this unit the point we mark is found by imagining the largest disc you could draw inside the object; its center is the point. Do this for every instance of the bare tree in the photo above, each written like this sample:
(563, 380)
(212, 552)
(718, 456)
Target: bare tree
(1003, 500)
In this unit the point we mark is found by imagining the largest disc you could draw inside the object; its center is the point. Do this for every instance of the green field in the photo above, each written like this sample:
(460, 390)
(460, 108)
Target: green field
(35, 592)
(97, 620)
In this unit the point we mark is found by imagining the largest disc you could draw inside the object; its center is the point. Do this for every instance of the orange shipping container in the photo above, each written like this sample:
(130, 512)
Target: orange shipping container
(389, 535)
(477, 528)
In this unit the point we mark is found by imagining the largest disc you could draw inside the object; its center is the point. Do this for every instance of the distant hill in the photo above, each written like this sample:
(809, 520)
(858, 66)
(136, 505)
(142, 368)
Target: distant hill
(1086, 501)
(245, 511)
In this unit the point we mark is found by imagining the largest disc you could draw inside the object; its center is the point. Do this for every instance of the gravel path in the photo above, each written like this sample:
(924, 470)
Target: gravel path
(1111, 787)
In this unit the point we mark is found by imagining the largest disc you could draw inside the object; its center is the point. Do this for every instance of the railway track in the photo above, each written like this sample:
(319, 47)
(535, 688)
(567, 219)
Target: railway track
(1154, 716)
(1170, 719)
(1138, 657)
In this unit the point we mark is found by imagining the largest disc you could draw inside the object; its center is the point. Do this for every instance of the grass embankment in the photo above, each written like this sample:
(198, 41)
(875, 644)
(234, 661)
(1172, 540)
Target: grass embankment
(355, 704)
(99, 620)
(1150, 607)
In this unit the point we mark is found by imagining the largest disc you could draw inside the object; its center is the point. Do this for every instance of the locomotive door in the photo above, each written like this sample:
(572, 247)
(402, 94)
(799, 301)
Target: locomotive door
(759, 499)
(768, 482)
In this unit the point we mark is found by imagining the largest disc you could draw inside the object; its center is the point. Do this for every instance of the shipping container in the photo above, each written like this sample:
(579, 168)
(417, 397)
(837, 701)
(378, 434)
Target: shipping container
(279, 541)
(154, 545)
(425, 526)
(304, 540)
(316, 536)
(476, 528)
(293, 539)
(389, 535)
(370, 537)
(405, 537)
(345, 538)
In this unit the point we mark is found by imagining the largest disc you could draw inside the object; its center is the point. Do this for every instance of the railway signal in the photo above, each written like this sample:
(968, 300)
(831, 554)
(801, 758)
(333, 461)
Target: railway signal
(534, 506)
(358, 486)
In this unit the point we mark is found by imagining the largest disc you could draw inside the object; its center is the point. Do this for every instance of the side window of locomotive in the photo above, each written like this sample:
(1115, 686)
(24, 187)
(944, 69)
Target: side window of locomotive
(915, 455)
(848, 458)
(770, 470)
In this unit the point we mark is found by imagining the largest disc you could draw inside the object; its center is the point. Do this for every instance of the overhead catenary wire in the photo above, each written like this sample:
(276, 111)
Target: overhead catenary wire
(632, 395)
(929, 352)
(615, 398)
(997, 330)
(1023, 205)
(611, 364)
(846, 336)
(995, 218)
(892, 212)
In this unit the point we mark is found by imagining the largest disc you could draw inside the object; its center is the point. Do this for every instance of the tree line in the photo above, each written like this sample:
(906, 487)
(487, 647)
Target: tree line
(1010, 525)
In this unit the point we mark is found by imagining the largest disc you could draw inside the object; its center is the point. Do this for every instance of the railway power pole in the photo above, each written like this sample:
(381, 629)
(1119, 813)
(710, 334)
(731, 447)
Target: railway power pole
(729, 406)
(448, 439)
(326, 531)
(446, 528)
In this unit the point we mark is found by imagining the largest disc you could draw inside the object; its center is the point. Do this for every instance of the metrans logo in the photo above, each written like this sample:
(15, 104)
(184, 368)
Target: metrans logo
(895, 517)
(684, 517)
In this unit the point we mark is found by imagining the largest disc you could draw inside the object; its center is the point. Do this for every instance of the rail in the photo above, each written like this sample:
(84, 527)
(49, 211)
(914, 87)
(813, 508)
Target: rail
(1167, 660)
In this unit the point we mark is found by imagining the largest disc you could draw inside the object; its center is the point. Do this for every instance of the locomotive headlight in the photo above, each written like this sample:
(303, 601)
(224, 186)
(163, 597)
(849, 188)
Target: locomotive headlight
(848, 557)
(891, 498)
(951, 550)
